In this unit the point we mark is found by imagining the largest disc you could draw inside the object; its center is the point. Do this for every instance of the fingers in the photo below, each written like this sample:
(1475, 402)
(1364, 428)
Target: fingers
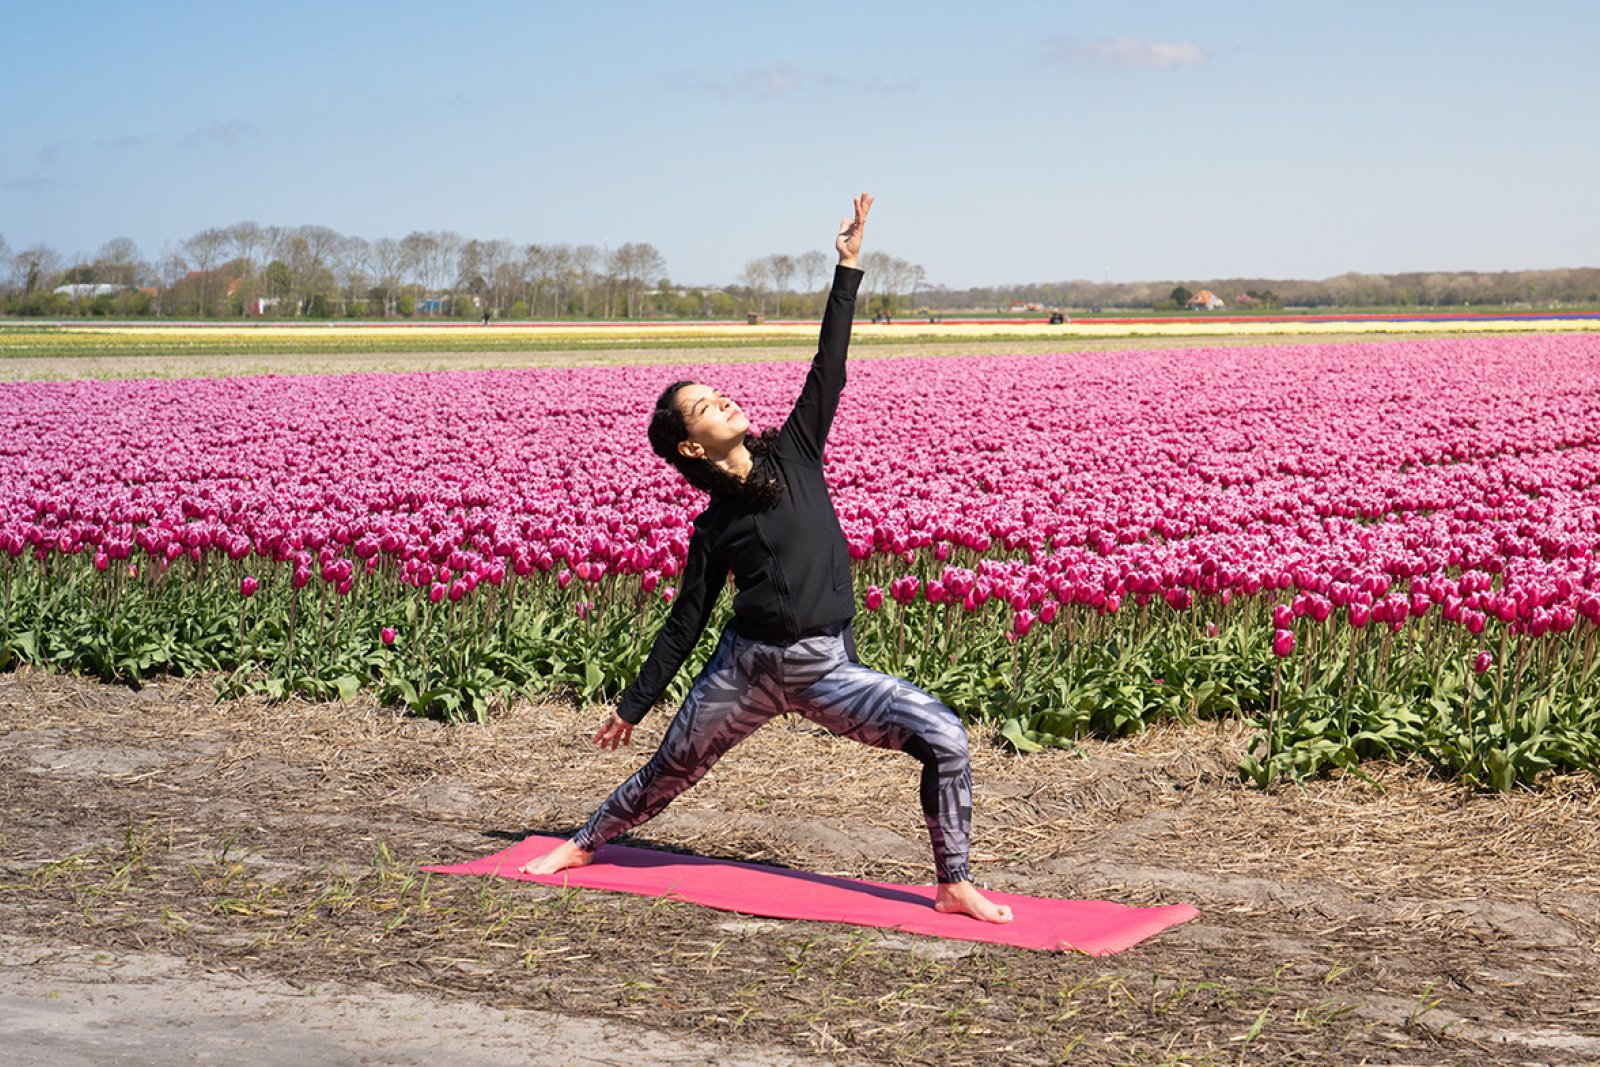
(614, 733)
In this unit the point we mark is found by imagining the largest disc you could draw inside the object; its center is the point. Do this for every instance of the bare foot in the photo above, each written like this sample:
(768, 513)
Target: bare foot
(963, 898)
(557, 859)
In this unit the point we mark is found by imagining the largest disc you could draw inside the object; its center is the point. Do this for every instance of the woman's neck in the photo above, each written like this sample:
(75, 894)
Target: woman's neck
(737, 461)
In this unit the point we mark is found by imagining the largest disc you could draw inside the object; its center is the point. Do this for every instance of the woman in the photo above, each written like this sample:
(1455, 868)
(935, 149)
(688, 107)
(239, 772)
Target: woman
(789, 646)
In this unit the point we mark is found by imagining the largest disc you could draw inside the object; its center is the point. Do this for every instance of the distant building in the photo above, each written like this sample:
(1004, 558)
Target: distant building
(88, 291)
(1205, 300)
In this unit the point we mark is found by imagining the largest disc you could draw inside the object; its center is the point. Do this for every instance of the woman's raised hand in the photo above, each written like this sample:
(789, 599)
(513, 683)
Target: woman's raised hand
(617, 731)
(849, 240)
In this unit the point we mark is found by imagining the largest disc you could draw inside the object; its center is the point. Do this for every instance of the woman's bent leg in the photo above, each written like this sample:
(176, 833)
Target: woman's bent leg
(730, 699)
(888, 712)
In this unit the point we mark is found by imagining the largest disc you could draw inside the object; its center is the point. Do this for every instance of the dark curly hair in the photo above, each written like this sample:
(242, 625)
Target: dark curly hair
(668, 429)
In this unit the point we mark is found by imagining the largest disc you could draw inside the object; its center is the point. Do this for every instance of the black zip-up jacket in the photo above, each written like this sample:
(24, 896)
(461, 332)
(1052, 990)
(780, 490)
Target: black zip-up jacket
(790, 566)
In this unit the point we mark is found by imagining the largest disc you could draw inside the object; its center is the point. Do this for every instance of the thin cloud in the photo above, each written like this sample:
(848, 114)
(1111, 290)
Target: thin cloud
(1129, 53)
(781, 81)
(122, 144)
(875, 86)
(219, 132)
(31, 183)
(53, 151)
(774, 82)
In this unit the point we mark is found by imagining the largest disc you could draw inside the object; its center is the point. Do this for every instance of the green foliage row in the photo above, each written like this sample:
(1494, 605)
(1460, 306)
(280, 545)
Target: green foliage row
(1343, 696)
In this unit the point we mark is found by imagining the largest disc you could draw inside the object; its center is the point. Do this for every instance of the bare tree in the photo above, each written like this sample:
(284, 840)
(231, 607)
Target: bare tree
(416, 256)
(498, 259)
(249, 241)
(877, 265)
(918, 281)
(205, 251)
(5, 264)
(310, 253)
(782, 268)
(813, 267)
(118, 262)
(471, 274)
(447, 252)
(539, 267)
(35, 267)
(756, 275)
(581, 269)
(352, 259)
(633, 265)
(388, 263)
(430, 258)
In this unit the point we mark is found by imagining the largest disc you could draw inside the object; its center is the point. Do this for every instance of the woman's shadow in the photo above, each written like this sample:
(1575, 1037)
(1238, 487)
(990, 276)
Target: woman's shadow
(642, 856)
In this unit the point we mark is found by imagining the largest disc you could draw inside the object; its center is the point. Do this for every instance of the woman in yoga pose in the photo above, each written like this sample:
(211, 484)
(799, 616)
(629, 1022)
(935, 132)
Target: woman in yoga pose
(789, 647)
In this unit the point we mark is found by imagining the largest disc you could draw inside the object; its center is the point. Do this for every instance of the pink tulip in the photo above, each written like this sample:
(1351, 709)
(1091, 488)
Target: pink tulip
(247, 586)
(1282, 643)
(1482, 663)
(387, 635)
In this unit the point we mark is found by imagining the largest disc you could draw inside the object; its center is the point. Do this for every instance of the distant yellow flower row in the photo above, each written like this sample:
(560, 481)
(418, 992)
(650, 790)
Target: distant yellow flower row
(907, 329)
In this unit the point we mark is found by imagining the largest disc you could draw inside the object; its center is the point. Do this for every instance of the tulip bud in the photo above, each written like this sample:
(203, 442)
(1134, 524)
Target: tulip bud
(247, 586)
(1282, 643)
(386, 635)
(1482, 663)
(874, 598)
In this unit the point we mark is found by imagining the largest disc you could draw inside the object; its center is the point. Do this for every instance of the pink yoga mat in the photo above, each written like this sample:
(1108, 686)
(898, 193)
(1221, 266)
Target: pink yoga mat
(1095, 927)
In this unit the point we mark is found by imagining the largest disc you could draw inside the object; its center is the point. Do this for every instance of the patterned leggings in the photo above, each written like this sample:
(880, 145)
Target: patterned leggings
(749, 682)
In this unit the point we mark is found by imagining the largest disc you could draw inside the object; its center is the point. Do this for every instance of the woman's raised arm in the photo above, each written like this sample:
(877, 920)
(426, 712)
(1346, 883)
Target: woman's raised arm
(805, 433)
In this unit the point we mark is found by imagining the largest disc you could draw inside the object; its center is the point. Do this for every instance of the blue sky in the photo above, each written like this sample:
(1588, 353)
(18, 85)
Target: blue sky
(1006, 142)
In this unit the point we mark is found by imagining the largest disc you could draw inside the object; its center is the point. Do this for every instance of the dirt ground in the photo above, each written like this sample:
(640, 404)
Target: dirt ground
(186, 879)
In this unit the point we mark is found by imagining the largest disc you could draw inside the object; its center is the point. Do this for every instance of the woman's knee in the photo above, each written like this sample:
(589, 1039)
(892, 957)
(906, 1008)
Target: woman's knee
(942, 743)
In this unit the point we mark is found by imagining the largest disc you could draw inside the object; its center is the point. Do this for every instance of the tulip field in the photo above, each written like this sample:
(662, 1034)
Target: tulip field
(1366, 551)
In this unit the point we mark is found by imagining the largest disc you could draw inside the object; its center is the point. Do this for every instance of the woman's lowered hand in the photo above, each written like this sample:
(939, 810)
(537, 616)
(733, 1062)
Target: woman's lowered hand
(616, 732)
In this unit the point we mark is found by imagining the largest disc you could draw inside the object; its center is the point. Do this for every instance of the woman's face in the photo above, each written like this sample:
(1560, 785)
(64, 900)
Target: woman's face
(715, 423)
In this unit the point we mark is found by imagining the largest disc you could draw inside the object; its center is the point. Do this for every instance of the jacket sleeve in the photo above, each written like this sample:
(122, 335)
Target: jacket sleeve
(806, 431)
(703, 578)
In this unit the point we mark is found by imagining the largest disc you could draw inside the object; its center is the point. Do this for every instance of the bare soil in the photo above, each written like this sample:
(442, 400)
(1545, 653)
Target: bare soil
(186, 879)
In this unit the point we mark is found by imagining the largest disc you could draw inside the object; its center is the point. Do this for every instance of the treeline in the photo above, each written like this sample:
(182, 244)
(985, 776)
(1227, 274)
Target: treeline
(317, 272)
(1527, 288)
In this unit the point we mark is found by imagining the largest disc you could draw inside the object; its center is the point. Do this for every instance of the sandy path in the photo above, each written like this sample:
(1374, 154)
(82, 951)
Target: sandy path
(74, 1006)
